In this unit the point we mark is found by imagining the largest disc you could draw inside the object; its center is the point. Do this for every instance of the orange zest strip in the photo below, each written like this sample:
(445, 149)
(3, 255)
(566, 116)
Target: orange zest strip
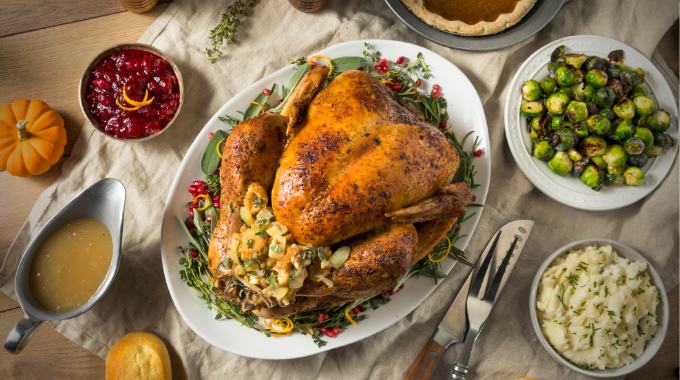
(258, 105)
(443, 257)
(349, 318)
(126, 108)
(326, 58)
(217, 148)
(207, 201)
(448, 130)
(279, 323)
(386, 81)
(144, 102)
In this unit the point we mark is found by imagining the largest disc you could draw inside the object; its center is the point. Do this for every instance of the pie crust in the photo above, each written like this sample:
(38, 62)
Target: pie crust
(481, 28)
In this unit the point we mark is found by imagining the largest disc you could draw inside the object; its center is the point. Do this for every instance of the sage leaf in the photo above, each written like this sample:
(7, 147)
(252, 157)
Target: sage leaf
(210, 160)
(462, 172)
(198, 219)
(254, 109)
(295, 79)
(191, 238)
(348, 63)
(214, 217)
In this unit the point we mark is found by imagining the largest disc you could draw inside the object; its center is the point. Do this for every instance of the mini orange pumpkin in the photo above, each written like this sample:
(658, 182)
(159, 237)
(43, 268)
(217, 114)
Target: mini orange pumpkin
(32, 137)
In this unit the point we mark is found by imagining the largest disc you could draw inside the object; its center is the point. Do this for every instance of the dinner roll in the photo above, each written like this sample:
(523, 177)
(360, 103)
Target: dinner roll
(138, 355)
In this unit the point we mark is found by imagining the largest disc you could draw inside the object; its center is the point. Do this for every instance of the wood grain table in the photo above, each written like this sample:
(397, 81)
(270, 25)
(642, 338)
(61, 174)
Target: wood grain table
(44, 46)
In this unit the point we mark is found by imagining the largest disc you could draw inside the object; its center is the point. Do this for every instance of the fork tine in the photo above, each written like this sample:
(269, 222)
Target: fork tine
(492, 291)
(479, 280)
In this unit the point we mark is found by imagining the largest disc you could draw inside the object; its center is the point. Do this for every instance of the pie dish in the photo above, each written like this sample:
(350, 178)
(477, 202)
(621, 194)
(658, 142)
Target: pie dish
(473, 18)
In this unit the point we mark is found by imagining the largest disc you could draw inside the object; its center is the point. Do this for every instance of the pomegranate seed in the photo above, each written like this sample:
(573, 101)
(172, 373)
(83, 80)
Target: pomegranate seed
(400, 288)
(190, 225)
(312, 63)
(477, 153)
(192, 189)
(191, 212)
(355, 310)
(436, 94)
(326, 316)
(436, 87)
(210, 135)
(216, 198)
(216, 204)
(208, 218)
(418, 82)
(377, 68)
(198, 183)
(336, 330)
(383, 62)
(400, 60)
(194, 253)
(216, 172)
(319, 325)
(266, 92)
(280, 101)
(458, 227)
(361, 68)
(442, 125)
(397, 85)
(474, 198)
(193, 206)
(320, 317)
(360, 306)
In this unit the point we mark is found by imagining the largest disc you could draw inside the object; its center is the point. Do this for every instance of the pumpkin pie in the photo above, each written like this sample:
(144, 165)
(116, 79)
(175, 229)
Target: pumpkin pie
(470, 17)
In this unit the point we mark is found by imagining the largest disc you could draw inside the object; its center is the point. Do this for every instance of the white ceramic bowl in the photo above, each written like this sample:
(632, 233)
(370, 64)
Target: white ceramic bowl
(661, 311)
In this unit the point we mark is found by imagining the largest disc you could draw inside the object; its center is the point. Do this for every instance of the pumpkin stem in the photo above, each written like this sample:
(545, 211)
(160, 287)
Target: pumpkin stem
(24, 134)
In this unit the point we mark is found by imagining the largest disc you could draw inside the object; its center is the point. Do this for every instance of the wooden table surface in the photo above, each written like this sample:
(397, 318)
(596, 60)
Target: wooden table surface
(44, 46)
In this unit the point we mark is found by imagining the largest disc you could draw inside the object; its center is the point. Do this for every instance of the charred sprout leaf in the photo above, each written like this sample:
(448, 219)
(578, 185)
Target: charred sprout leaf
(557, 53)
(616, 56)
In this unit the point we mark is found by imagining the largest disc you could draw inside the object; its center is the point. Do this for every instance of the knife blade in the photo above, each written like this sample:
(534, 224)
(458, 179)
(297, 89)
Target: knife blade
(453, 327)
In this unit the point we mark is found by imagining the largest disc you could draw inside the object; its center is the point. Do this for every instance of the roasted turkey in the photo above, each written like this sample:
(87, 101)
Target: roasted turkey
(347, 164)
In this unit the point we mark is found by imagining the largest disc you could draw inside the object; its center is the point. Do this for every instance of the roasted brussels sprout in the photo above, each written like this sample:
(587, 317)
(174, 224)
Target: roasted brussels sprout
(599, 162)
(653, 151)
(560, 163)
(536, 122)
(624, 109)
(597, 124)
(663, 140)
(596, 78)
(592, 146)
(594, 63)
(644, 105)
(576, 111)
(579, 76)
(616, 86)
(609, 114)
(639, 90)
(543, 151)
(642, 75)
(634, 176)
(531, 91)
(579, 166)
(583, 92)
(567, 91)
(581, 129)
(639, 160)
(554, 66)
(533, 135)
(565, 77)
(575, 61)
(592, 177)
(630, 79)
(592, 109)
(548, 85)
(613, 179)
(557, 53)
(567, 139)
(531, 109)
(614, 69)
(615, 155)
(557, 103)
(574, 154)
(621, 129)
(604, 97)
(645, 135)
(633, 145)
(615, 55)
(556, 123)
(658, 121)
(616, 169)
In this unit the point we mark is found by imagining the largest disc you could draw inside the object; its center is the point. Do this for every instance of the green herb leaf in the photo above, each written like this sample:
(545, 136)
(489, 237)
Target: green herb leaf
(210, 159)
(254, 109)
(191, 238)
(295, 79)
(348, 63)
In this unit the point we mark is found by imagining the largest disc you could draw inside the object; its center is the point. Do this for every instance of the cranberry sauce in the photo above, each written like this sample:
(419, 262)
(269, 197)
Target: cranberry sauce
(138, 71)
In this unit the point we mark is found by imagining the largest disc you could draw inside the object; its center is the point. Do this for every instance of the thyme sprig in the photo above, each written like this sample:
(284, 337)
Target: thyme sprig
(227, 27)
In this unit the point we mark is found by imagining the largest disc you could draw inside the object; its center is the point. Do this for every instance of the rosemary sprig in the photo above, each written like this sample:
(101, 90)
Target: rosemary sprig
(227, 27)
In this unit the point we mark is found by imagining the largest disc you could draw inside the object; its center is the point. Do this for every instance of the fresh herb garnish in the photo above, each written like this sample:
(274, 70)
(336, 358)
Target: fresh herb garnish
(227, 27)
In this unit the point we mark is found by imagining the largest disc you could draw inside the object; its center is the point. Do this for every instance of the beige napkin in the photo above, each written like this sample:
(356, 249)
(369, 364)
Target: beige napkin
(267, 39)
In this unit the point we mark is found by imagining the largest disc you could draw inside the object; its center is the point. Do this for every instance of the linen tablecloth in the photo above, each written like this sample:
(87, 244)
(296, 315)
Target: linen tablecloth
(271, 35)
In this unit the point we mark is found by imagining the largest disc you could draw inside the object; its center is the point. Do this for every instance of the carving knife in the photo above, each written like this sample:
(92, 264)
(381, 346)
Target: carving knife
(453, 327)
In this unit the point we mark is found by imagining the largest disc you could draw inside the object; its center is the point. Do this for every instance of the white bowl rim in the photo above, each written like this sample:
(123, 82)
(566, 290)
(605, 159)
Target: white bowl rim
(659, 336)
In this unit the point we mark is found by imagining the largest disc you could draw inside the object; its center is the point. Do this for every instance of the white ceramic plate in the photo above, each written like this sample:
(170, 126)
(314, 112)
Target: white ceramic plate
(568, 189)
(465, 114)
(661, 309)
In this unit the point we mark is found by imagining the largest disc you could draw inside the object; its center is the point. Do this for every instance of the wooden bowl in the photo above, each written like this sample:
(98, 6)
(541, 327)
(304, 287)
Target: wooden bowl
(82, 87)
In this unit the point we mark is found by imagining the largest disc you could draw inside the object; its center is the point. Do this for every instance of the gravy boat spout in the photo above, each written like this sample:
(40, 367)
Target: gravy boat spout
(104, 201)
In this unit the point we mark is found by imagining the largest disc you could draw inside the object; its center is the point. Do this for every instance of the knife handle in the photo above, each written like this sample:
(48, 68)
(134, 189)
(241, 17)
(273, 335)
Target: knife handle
(423, 367)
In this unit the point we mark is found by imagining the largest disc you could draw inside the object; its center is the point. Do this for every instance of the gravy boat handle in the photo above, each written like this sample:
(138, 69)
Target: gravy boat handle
(21, 334)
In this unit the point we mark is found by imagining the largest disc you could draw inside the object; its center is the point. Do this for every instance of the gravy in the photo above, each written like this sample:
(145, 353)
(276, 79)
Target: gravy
(71, 263)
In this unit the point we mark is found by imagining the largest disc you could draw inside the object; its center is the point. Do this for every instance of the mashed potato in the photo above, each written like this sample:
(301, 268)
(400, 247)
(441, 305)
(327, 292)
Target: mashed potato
(597, 309)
